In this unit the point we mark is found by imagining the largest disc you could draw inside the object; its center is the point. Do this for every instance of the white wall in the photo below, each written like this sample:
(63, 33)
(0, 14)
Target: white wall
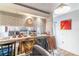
(68, 39)
(11, 19)
(49, 25)
(40, 25)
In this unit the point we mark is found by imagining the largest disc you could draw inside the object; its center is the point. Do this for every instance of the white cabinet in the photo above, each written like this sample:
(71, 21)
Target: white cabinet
(2, 32)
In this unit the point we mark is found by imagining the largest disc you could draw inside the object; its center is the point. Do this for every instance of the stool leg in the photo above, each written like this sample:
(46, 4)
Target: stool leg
(2, 50)
(14, 48)
(8, 51)
(11, 51)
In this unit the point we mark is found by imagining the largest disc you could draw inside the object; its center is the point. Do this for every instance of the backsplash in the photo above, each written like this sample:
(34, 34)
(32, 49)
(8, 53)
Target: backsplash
(15, 30)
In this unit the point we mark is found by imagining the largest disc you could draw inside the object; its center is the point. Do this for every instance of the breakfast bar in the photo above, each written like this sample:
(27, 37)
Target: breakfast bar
(24, 39)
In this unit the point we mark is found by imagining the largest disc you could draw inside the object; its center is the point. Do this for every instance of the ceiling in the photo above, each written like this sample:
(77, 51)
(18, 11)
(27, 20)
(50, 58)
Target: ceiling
(48, 7)
(73, 6)
(40, 9)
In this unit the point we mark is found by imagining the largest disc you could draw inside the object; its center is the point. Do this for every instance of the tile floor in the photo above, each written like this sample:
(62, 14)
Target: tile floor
(61, 52)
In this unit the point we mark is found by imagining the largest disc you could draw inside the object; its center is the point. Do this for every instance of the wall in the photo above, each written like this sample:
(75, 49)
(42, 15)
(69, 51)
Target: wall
(49, 25)
(68, 39)
(11, 19)
(40, 25)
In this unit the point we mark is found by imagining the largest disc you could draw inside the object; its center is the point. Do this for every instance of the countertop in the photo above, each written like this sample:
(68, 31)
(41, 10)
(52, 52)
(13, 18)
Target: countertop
(10, 39)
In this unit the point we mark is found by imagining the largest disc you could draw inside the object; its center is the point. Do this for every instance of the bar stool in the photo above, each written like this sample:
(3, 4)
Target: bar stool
(7, 49)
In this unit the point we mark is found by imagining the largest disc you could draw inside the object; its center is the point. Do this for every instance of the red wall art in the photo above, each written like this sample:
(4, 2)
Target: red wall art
(65, 25)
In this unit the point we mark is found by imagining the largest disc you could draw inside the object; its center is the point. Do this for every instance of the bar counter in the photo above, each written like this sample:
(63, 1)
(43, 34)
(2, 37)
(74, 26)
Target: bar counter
(8, 40)
(16, 40)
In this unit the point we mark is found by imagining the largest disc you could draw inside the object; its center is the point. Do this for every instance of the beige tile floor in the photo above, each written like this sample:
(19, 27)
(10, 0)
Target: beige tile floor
(61, 52)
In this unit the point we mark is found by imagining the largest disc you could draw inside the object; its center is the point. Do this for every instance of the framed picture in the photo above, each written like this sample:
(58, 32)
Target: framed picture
(65, 24)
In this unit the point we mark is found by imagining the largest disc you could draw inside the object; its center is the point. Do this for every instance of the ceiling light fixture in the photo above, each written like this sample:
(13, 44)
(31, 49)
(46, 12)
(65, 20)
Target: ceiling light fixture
(61, 9)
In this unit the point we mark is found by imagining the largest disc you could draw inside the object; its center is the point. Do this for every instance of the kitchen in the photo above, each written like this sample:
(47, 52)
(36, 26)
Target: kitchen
(19, 29)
